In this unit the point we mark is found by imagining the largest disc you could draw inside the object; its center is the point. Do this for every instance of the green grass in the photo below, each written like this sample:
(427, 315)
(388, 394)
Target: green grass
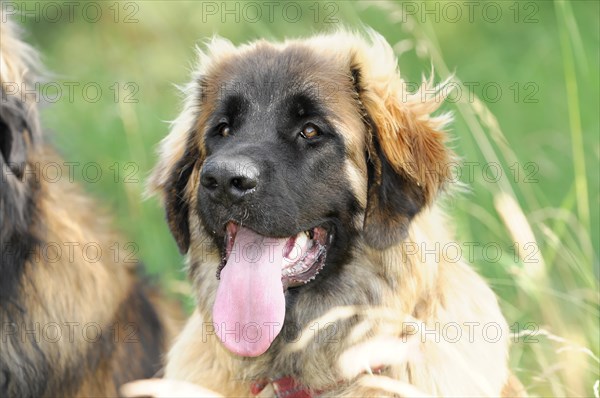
(550, 131)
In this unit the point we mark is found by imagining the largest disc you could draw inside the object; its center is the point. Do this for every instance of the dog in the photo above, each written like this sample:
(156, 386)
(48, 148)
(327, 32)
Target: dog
(301, 181)
(74, 322)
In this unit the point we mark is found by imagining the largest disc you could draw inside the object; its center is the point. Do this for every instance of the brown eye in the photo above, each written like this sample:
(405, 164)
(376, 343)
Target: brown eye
(309, 131)
(224, 130)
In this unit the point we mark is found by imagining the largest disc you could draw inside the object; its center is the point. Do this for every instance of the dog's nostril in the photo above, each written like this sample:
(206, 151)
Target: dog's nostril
(209, 182)
(243, 183)
(236, 183)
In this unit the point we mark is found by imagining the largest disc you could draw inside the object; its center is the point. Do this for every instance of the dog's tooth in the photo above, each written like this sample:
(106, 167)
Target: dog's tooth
(301, 240)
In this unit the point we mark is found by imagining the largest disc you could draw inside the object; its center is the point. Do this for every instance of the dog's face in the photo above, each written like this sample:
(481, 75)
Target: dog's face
(275, 157)
(293, 159)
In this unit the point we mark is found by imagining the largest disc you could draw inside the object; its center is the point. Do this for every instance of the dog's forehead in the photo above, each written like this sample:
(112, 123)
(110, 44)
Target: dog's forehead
(267, 74)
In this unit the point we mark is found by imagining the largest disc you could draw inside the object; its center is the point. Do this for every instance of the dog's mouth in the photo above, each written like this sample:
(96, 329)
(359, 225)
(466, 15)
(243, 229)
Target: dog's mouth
(303, 254)
(256, 270)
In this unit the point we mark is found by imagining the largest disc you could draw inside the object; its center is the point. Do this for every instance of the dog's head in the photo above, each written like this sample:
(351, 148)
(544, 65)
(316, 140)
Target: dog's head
(287, 160)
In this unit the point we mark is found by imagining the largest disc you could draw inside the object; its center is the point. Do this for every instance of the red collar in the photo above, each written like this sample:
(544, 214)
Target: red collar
(285, 387)
(288, 387)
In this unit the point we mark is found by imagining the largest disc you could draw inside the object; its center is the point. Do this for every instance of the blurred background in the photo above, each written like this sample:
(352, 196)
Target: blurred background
(526, 106)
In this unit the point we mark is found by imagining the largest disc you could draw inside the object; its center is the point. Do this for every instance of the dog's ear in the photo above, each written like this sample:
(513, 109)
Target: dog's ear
(19, 125)
(181, 152)
(15, 134)
(172, 177)
(407, 156)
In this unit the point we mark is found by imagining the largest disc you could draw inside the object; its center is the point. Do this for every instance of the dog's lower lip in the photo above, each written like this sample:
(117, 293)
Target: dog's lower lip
(304, 254)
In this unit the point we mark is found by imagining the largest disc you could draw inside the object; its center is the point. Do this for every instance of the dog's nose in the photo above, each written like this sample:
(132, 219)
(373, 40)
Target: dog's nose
(230, 178)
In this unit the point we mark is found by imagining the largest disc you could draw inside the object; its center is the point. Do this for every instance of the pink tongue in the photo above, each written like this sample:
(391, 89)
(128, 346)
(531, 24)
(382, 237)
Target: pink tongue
(250, 305)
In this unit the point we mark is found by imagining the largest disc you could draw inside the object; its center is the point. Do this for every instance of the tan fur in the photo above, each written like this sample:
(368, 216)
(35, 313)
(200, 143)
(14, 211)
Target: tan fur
(387, 290)
(62, 299)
